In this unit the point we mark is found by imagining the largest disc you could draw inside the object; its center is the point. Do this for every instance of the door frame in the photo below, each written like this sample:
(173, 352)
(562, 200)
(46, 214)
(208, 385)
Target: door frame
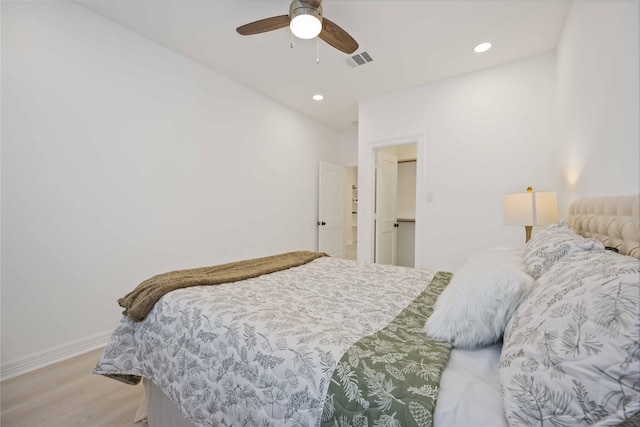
(366, 194)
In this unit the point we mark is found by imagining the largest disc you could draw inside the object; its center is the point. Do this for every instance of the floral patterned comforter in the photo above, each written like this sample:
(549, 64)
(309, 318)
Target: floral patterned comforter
(260, 351)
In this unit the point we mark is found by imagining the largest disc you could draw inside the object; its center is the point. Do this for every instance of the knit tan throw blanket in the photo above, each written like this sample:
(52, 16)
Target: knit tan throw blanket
(139, 302)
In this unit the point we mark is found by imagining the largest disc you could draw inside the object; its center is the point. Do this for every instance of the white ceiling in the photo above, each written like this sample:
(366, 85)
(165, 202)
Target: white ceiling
(411, 42)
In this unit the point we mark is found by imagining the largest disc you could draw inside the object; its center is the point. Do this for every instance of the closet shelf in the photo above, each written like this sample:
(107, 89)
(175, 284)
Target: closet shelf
(406, 220)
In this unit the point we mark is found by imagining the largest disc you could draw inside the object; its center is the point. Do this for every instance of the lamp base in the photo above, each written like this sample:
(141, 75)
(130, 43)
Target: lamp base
(527, 232)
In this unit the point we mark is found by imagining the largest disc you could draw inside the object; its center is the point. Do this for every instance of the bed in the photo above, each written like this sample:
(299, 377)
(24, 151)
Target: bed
(541, 335)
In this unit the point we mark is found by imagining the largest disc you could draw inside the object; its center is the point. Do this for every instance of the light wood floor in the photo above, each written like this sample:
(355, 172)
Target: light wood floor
(67, 394)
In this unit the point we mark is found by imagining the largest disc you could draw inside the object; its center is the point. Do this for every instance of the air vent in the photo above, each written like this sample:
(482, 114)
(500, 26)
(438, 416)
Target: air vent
(359, 59)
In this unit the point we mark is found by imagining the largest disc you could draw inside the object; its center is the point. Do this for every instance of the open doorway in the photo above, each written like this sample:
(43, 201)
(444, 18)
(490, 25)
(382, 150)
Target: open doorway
(367, 197)
(394, 214)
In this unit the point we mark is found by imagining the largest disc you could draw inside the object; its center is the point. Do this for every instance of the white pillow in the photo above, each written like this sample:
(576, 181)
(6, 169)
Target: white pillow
(474, 308)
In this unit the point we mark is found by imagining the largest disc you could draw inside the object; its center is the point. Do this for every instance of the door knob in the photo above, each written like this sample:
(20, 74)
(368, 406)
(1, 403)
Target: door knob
(396, 225)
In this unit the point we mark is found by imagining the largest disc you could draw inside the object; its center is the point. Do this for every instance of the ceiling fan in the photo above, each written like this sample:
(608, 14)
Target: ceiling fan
(306, 21)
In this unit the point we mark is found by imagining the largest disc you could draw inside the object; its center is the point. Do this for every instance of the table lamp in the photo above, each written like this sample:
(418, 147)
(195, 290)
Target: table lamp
(530, 209)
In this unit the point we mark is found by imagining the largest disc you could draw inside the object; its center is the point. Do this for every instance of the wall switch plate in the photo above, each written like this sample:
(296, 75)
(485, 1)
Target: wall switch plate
(429, 196)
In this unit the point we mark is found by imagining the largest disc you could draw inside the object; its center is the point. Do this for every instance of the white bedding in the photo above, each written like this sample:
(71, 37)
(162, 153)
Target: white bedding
(470, 390)
(469, 394)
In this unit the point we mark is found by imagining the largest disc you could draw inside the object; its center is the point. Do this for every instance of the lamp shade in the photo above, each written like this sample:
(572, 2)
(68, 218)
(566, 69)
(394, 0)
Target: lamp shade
(530, 209)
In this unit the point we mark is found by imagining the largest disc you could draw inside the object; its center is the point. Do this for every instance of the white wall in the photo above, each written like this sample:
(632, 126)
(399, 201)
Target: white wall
(407, 190)
(598, 100)
(483, 135)
(121, 160)
(349, 148)
(405, 249)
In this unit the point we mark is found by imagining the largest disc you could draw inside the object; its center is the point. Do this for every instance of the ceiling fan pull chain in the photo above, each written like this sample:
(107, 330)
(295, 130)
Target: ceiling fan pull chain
(317, 50)
(291, 41)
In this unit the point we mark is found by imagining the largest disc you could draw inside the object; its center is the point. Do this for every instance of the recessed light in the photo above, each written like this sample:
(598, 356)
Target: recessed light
(318, 97)
(482, 47)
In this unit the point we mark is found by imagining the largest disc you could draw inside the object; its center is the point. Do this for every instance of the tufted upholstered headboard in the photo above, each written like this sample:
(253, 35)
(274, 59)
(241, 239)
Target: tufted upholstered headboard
(615, 221)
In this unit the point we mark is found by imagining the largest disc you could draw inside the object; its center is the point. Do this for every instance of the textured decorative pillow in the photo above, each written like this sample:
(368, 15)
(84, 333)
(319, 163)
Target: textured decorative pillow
(474, 308)
(551, 244)
(570, 354)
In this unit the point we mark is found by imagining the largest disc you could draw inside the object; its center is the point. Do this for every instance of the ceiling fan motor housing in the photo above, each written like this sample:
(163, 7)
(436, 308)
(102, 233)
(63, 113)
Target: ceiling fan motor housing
(301, 11)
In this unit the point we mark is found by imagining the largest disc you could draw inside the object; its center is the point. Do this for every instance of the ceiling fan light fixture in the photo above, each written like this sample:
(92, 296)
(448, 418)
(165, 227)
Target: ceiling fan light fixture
(306, 21)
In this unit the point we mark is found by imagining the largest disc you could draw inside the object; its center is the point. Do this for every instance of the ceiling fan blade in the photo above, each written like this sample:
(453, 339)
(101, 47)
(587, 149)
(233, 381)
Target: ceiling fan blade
(337, 37)
(264, 25)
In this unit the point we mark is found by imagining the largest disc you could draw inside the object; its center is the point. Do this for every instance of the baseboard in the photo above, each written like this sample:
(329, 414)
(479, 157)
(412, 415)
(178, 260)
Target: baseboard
(38, 360)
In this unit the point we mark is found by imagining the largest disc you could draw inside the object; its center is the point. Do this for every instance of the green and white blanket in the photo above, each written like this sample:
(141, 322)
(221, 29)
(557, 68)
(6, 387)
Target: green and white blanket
(391, 378)
(265, 351)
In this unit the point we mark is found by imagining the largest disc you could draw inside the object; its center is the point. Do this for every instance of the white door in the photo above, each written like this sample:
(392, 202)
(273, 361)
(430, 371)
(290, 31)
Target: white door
(331, 209)
(385, 215)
